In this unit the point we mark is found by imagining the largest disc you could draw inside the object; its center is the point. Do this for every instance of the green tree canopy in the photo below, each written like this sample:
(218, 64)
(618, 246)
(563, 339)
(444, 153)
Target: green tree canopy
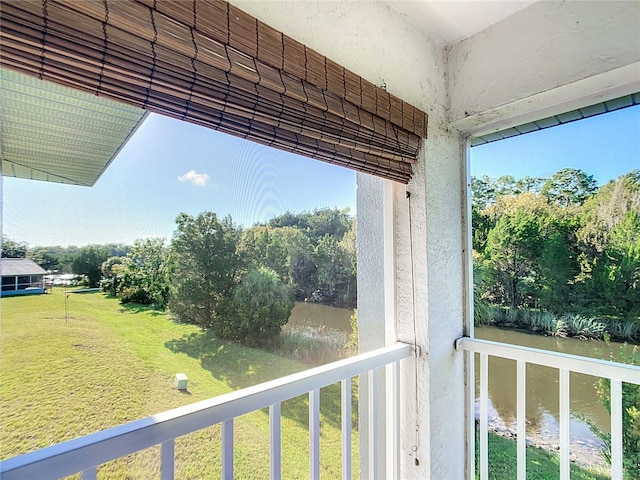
(261, 305)
(143, 275)
(204, 267)
(512, 250)
(44, 258)
(569, 186)
(13, 249)
(88, 262)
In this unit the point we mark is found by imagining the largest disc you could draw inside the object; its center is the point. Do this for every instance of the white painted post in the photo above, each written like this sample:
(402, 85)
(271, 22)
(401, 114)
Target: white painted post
(471, 414)
(167, 462)
(392, 446)
(345, 402)
(616, 430)
(314, 434)
(274, 441)
(565, 466)
(227, 449)
(484, 416)
(374, 378)
(521, 419)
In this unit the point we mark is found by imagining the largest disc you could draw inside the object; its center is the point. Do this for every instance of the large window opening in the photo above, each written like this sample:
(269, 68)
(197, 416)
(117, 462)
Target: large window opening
(215, 66)
(556, 243)
(180, 202)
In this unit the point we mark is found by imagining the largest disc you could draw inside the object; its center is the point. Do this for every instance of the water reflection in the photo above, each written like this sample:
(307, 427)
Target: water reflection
(542, 386)
(326, 328)
(331, 325)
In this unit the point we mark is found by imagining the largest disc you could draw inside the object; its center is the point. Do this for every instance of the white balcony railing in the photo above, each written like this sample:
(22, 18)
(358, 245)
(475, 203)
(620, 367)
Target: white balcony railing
(85, 454)
(566, 364)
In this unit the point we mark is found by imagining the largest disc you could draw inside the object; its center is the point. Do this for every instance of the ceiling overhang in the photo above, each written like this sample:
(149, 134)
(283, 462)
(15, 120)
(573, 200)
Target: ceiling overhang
(57, 134)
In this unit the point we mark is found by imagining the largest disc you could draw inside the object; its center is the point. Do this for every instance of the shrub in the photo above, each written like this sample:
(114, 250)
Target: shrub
(351, 348)
(583, 327)
(625, 329)
(260, 307)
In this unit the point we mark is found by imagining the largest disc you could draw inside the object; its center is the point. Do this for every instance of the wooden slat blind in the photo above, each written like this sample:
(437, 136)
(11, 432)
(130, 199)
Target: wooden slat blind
(209, 63)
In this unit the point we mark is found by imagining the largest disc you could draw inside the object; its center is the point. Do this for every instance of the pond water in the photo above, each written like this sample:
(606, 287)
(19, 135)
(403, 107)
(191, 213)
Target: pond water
(543, 390)
(332, 325)
(324, 323)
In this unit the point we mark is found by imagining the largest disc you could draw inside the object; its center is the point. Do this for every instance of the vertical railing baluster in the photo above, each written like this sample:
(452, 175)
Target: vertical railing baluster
(90, 473)
(373, 390)
(565, 465)
(314, 434)
(274, 441)
(484, 416)
(616, 430)
(345, 403)
(471, 415)
(227, 449)
(521, 419)
(393, 463)
(167, 461)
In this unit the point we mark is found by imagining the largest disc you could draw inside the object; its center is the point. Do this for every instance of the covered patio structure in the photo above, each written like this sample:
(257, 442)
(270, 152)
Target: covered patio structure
(21, 276)
(397, 91)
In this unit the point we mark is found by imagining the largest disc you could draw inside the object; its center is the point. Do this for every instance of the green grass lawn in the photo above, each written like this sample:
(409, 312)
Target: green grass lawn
(541, 465)
(108, 364)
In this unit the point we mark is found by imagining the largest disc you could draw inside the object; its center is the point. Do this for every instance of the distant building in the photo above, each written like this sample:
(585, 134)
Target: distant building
(21, 276)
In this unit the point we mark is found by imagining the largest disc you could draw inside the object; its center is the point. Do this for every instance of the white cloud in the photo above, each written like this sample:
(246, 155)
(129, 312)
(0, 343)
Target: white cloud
(197, 179)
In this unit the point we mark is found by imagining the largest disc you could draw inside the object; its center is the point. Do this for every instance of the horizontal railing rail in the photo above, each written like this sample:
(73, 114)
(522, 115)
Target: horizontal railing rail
(565, 364)
(85, 454)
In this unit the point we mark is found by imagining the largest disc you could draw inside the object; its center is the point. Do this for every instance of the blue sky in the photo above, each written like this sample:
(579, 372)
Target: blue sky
(604, 146)
(166, 168)
(170, 167)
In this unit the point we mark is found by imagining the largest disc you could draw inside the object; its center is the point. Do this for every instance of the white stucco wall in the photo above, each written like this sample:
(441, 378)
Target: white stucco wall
(549, 58)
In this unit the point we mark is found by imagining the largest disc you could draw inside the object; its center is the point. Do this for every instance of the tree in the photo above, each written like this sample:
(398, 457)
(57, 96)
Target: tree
(483, 193)
(88, 262)
(44, 258)
(334, 270)
(143, 274)
(529, 184)
(615, 280)
(287, 251)
(569, 186)
(329, 221)
(317, 224)
(13, 249)
(505, 185)
(604, 210)
(204, 267)
(557, 270)
(266, 246)
(261, 305)
(513, 248)
(110, 269)
(481, 225)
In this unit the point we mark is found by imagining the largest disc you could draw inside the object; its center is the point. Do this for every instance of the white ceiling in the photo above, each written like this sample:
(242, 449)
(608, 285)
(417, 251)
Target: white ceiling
(454, 20)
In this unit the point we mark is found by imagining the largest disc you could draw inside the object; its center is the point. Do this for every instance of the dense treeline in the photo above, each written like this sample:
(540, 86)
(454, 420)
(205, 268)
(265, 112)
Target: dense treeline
(85, 260)
(240, 283)
(557, 252)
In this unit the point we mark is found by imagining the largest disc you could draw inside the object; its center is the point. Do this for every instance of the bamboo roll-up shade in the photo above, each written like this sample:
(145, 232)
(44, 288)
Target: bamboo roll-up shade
(209, 63)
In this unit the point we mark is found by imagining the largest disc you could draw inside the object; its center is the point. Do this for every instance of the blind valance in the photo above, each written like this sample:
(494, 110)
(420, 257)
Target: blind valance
(210, 63)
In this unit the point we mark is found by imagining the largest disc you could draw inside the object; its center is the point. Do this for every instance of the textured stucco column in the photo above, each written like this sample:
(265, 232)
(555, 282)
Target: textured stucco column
(428, 261)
